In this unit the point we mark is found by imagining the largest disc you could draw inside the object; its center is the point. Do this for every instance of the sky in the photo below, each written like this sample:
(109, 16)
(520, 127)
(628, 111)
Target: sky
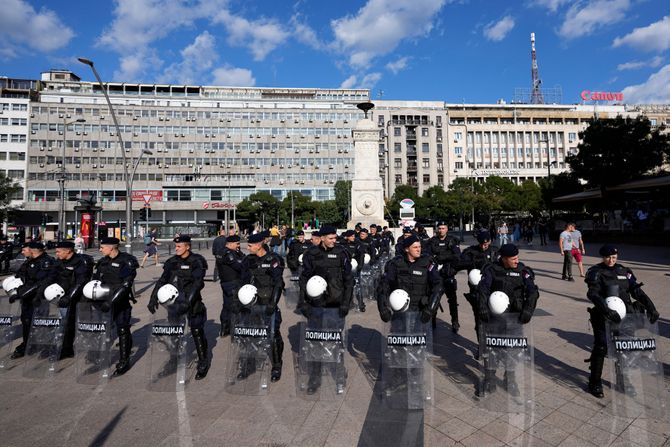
(472, 51)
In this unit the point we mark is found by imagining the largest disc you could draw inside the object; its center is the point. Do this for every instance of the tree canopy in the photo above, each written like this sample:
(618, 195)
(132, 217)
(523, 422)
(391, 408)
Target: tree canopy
(8, 190)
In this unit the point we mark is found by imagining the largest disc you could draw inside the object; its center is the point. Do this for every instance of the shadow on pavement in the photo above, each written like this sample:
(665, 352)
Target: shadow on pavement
(559, 371)
(107, 430)
(455, 357)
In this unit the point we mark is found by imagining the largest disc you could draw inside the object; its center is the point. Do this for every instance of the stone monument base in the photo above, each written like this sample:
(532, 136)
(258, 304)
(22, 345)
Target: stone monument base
(367, 203)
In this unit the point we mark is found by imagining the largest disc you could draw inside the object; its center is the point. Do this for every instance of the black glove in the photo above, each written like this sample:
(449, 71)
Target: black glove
(153, 303)
(37, 301)
(235, 307)
(426, 316)
(181, 306)
(12, 298)
(305, 309)
(385, 314)
(64, 302)
(613, 316)
(105, 307)
(344, 311)
(270, 309)
(653, 315)
(525, 316)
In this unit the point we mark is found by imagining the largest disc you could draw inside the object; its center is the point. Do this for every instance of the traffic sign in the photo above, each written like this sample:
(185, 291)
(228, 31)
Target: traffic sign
(147, 198)
(406, 203)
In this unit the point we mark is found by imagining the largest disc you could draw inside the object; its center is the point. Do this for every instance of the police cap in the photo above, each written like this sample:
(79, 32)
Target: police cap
(406, 229)
(256, 238)
(265, 234)
(316, 233)
(327, 229)
(233, 238)
(440, 222)
(300, 233)
(65, 244)
(508, 250)
(348, 233)
(608, 250)
(483, 236)
(364, 230)
(410, 240)
(109, 241)
(36, 244)
(182, 238)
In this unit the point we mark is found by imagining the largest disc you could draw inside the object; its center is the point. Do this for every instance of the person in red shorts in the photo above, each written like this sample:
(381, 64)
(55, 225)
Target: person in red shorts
(577, 247)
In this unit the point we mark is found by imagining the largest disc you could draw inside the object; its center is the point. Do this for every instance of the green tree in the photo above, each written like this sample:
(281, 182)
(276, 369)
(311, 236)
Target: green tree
(615, 151)
(259, 207)
(559, 185)
(402, 192)
(8, 192)
(529, 197)
(329, 212)
(500, 194)
(343, 197)
(303, 208)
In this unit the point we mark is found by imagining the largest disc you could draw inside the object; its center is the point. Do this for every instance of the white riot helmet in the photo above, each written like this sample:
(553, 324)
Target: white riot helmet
(399, 300)
(11, 284)
(247, 294)
(354, 264)
(615, 303)
(366, 259)
(94, 290)
(498, 302)
(54, 291)
(167, 294)
(475, 276)
(300, 259)
(316, 286)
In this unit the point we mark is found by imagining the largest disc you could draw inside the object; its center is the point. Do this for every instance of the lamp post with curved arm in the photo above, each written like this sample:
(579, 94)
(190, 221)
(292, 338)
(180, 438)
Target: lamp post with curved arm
(61, 180)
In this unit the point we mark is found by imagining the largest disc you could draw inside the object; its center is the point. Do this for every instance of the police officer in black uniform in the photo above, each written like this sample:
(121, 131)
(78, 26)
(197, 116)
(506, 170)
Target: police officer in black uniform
(355, 251)
(400, 247)
(265, 271)
(5, 254)
(476, 257)
(74, 271)
(229, 266)
(416, 274)
(297, 247)
(116, 270)
(332, 263)
(388, 239)
(446, 253)
(39, 272)
(611, 279)
(218, 247)
(367, 245)
(186, 271)
(512, 277)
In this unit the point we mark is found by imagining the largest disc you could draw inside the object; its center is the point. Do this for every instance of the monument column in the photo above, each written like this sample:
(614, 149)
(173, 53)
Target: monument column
(367, 193)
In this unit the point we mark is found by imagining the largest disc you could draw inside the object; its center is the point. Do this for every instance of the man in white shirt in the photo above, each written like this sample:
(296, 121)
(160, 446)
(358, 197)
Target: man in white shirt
(565, 244)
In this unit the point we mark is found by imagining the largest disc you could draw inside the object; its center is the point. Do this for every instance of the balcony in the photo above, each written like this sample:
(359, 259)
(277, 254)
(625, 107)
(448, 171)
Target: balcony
(411, 136)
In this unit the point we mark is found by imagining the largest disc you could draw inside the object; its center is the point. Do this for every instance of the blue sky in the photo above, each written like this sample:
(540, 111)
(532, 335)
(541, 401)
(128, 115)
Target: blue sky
(475, 51)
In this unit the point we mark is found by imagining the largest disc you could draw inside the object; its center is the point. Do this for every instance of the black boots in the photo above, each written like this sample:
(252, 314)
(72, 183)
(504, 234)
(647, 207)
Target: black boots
(201, 348)
(19, 352)
(595, 382)
(277, 351)
(488, 385)
(453, 311)
(125, 346)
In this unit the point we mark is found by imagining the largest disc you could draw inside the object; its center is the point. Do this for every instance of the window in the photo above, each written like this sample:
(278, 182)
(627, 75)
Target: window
(440, 179)
(426, 178)
(396, 131)
(425, 163)
(458, 136)
(424, 131)
(425, 148)
(458, 150)
(17, 155)
(397, 163)
(398, 179)
(459, 165)
(397, 147)
(3, 137)
(17, 138)
(15, 173)
(572, 137)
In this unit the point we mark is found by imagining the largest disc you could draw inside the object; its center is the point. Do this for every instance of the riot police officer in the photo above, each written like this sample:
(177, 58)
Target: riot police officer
(297, 247)
(265, 270)
(332, 263)
(416, 274)
(186, 271)
(39, 272)
(315, 238)
(229, 267)
(355, 251)
(218, 247)
(116, 271)
(367, 245)
(476, 257)
(399, 247)
(517, 281)
(446, 253)
(387, 238)
(604, 280)
(74, 271)
(5, 254)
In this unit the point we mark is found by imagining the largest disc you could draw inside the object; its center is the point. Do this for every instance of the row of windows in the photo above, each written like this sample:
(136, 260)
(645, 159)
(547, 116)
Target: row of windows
(12, 138)
(199, 161)
(14, 173)
(13, 121)
(17, 156)
(510, 120)
(516, 137)
(15, 106)
(64, 112)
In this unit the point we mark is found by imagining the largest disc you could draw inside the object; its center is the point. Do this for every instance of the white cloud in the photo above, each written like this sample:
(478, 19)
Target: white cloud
(398, 65)
(259, 36)
(304, 34)
(368, 81)
(635, 65)
(380, 26)
(233, 77)
(551, 5)
(22, 26)
(584, 18)
(496, 31)
(654, 37)
(656, 90)
(348, 83)
(197, 58)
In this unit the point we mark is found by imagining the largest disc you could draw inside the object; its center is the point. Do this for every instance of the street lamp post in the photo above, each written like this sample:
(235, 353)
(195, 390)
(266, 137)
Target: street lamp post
(128, 181)
(132, 178)
(62, 179)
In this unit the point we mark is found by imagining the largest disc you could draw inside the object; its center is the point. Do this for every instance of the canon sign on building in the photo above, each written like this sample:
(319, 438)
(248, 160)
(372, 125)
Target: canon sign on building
(588, 95)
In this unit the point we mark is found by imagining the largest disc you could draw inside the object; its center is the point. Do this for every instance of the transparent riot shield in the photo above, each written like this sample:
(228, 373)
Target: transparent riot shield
(506, 349)
(406, 376)
(636, 378)
(320, 370)
(45, 340)
(92, 343)
(10, 329)
(168, 354)
(248, 367)
(366, 283)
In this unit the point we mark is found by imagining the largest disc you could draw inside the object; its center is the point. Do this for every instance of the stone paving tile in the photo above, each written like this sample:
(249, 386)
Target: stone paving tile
(435, 438)
(501, 430)
(479, 438)
(610, 423)
(528, 440)
(642, 437)
(563, 421)
(548, 432)
(594, 434)
(456, 429)
(574, 441)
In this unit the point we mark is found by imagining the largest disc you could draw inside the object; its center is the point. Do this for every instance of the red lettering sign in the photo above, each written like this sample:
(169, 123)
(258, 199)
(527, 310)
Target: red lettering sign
(218, 205)
(588, 95)
(156, 195)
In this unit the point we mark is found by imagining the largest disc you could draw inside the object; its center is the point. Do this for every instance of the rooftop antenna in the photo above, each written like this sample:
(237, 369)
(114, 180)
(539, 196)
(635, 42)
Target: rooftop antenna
(536, 95)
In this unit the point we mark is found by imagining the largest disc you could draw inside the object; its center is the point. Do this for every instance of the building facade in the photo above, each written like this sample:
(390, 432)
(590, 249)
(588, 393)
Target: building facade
(197, 151)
